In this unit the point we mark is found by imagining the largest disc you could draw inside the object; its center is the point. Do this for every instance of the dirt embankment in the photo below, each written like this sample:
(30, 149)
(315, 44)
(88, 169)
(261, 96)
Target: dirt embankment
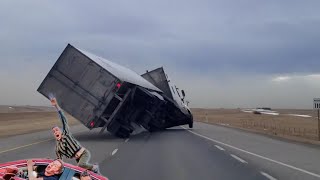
(16, 123)
(283, 125)
(26, 119)
(15, 109)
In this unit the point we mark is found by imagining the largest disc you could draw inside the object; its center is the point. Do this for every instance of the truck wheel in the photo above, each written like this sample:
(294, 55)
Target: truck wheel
(123, 133)
(191, 125)
(152, 129)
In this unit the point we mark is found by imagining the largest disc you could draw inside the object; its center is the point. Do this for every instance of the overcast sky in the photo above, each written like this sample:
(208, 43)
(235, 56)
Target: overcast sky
(222, 53)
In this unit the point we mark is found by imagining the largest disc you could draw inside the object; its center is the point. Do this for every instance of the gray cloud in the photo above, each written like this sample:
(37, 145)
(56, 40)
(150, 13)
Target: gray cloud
(219, 51)
(251, 91)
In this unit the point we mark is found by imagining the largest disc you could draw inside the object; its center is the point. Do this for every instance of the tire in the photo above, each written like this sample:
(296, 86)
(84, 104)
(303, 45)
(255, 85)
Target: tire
(123, 133)
(191, 125)
(153, 129)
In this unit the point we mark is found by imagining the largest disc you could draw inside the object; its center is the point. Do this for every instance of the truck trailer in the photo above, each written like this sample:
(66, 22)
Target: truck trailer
(102, 94)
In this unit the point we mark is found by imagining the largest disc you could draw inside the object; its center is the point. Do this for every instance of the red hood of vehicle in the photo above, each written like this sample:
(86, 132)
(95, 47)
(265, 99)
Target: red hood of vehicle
(23, 162)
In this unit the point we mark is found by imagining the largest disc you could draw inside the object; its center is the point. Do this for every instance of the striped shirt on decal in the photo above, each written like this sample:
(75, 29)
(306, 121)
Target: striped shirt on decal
(67, 146)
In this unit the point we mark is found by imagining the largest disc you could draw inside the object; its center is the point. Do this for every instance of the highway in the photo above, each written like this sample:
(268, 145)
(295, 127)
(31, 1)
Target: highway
(204, 152)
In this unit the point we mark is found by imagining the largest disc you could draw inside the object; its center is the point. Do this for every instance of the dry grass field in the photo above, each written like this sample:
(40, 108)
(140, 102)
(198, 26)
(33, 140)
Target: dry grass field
(16, 109)
(26, 119)
(283, 125)
(16, 120)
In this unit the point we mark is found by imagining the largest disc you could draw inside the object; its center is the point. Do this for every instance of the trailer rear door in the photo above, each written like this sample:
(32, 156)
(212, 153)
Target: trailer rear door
(83, 88)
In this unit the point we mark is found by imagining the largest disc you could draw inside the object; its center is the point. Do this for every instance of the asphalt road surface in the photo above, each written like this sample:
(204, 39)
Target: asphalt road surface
(204, 152)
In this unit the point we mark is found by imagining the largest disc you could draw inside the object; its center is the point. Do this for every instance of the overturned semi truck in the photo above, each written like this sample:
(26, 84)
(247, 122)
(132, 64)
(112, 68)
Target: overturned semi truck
(100, 93)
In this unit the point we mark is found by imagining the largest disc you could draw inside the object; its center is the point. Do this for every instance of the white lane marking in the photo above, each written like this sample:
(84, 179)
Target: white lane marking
(239, 159)
(219, 147)
(256, 155)
(268, 176)
(126, 140)
(27, 145)
(23, 146)
(114, 152)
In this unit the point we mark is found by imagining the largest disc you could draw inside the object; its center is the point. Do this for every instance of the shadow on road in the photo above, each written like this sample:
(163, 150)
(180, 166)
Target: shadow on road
(95, 136)
(174, 130)
(92, 136)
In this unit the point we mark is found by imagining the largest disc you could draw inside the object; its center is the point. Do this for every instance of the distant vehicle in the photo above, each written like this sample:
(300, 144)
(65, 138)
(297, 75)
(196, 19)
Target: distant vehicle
(265, 108)
(261, 111)
(100, 93)
(17, 170)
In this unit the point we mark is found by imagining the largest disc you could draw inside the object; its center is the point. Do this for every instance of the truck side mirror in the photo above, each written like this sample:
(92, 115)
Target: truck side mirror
(183, 94)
